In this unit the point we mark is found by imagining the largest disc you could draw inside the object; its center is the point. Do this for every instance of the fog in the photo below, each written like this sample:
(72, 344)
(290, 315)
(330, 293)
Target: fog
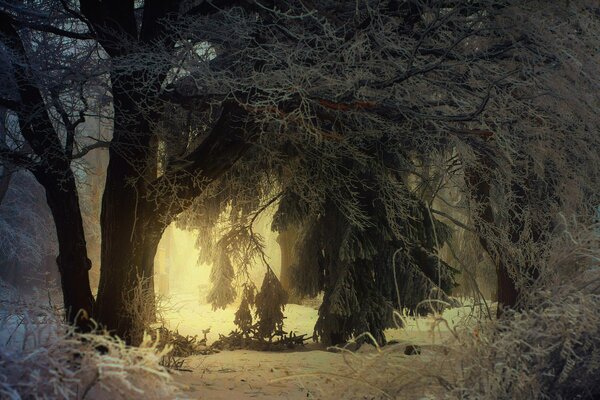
(178, 272)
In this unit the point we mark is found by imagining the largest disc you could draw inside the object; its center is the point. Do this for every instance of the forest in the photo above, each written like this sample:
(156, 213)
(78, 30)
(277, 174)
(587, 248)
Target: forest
(236, 199)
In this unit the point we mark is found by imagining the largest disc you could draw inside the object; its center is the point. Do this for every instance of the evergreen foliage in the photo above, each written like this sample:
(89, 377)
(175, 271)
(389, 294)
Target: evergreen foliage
(243, 316)
(354, 267)
(270, 303)
(351, 239)
(342, 147)
(222, 275)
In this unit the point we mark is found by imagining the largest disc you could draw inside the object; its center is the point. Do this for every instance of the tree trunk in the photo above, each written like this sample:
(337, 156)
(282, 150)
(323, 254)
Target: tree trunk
(506, 289)
(508, 294)
(130, 236)
(73, 263)
(131, 228)
(5, 172)
(287, 239)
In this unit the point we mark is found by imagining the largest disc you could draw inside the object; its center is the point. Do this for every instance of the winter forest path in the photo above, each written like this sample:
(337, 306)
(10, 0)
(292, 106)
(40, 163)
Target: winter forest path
(306, 373)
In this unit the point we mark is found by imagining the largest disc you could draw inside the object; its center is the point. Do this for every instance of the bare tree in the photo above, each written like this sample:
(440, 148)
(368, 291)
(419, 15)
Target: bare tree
(50, 159)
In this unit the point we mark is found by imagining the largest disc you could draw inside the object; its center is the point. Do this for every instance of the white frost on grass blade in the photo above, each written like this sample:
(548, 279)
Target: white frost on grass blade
(42, 358)
(551, 350)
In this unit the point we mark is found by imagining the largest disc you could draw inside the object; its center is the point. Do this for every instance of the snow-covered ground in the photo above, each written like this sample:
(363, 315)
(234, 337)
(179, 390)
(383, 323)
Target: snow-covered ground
(305, 372)
(309, 372)
(187, 314)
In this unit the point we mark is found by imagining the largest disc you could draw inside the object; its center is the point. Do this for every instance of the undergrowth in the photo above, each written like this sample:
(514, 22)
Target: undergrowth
(549, 350)
(42, 358)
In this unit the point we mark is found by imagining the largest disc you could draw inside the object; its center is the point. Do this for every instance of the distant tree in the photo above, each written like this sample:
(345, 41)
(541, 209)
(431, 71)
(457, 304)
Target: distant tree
(287, 239)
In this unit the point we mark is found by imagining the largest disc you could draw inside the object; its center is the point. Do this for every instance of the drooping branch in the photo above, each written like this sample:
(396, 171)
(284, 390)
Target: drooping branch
(215, 155)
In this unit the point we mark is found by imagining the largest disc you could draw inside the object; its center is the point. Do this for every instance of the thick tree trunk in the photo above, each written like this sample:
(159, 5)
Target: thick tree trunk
(131, 228)
(127, 268)
(130, 236)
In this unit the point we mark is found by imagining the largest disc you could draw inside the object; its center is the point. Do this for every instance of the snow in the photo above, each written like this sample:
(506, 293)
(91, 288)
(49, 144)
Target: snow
(244, 374)
(305, 372)
(187, 314)
(309, 372)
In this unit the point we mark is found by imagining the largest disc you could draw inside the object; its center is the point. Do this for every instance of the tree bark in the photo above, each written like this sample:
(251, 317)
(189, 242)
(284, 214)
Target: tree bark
(480, 187)
(73, 263)
(130, 228)
(5, 171)
(287, 239)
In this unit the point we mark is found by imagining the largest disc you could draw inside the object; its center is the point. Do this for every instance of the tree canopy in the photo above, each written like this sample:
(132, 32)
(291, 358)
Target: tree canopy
(351, 117)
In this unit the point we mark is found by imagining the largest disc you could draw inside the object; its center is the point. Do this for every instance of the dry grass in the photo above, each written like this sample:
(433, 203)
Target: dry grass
(42, 358)
(144, 308)
(549, 351)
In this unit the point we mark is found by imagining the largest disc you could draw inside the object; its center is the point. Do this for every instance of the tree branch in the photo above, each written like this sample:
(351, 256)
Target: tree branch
(77, 15)
(100, 144)
(34, 120)
(46, 28)
(224, 145)
(454, 220)
(16, 158)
